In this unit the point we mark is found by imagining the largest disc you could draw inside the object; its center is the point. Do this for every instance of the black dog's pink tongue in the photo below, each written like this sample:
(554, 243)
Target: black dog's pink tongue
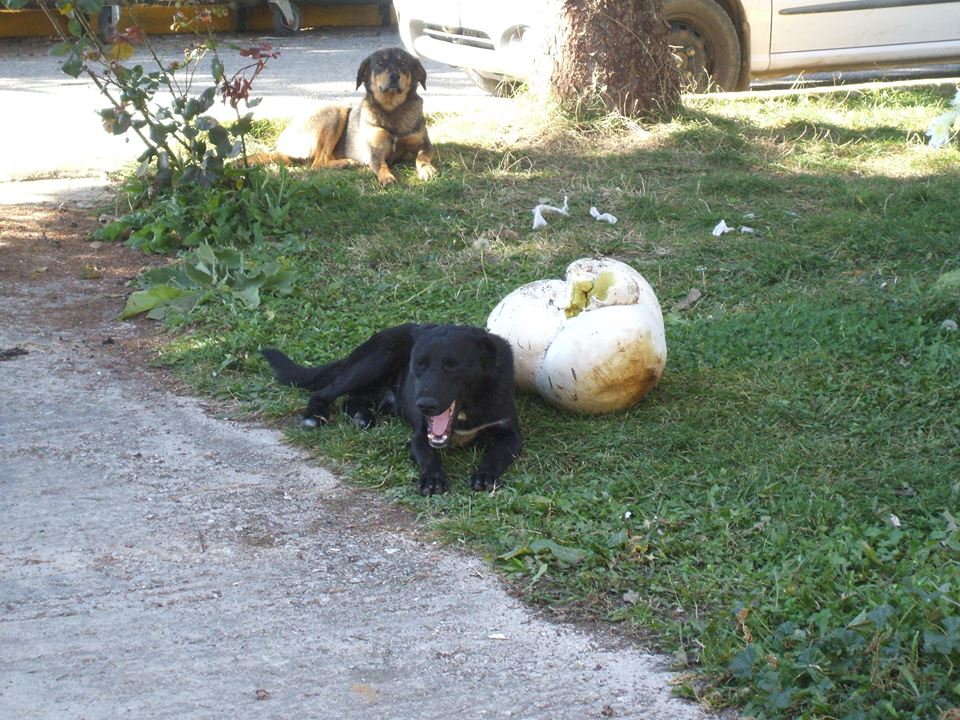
(439, 424)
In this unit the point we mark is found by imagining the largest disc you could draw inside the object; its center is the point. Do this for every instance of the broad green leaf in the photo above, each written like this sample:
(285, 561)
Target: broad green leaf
(62, 48)
(565, 555)
(229, 257)
(250, 296)
(221, 140)
(518, 551)
(281, 281)
(200, 275)
(144, 300)
(73, 67)
(206, 255)
(167, 275)
(742, 664)
(216, 68)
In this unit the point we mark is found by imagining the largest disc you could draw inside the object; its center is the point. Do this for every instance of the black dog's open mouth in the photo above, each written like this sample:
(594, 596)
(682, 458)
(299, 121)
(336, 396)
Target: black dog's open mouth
(440, 427)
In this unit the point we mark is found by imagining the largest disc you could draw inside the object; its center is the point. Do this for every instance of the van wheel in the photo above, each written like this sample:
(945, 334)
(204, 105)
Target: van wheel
(703, 38)
(281, 25)
(107, 22)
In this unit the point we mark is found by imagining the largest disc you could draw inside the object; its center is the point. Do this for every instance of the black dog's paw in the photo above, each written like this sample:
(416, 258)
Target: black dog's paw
(388, 404)
(484, 481)
(312, 421)
(363, 419)
(432, 483)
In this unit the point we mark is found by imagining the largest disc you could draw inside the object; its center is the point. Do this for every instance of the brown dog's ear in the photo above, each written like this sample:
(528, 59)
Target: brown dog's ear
(363, 73)
(421, 73)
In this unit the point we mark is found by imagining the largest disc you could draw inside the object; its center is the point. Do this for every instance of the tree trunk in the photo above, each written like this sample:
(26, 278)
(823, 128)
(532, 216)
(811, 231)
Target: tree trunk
(614, 51)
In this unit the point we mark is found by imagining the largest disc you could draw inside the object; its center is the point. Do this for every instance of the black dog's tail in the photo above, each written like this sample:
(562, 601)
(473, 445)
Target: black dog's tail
(289, 373)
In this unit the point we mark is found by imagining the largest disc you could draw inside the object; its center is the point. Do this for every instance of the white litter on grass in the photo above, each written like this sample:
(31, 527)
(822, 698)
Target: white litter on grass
(605, 217)
(946, 125)
(539, 210)
(721, 229)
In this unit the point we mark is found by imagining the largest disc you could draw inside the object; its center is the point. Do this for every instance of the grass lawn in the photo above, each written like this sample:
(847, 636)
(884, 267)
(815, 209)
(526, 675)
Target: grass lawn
(780, 513)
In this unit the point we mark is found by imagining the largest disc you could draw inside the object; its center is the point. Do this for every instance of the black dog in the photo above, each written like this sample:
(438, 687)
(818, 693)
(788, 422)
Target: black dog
(451, 383)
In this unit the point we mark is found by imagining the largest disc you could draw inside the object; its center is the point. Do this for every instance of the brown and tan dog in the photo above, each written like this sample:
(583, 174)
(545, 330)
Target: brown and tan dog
(387, 126)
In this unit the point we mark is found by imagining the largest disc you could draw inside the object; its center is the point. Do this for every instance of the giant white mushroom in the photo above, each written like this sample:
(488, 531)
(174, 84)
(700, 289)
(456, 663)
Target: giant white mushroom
(593, 342)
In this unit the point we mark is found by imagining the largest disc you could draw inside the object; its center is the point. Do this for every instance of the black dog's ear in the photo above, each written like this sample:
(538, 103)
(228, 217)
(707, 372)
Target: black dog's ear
(420, 73)
(491, 352)
(363, 73)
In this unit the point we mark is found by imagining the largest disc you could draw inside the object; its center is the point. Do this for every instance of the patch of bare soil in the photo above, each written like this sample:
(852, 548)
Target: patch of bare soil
(64, 282)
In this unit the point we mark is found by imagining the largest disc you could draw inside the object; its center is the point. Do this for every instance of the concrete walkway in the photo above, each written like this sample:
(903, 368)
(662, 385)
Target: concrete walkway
(159, 563)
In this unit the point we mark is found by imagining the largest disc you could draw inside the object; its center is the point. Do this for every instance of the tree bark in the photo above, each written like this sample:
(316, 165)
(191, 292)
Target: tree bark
(614, 52)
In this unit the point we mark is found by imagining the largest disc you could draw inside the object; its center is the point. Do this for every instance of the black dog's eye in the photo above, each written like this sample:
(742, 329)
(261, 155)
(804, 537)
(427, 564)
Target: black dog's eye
(450, 364)
(420, 365)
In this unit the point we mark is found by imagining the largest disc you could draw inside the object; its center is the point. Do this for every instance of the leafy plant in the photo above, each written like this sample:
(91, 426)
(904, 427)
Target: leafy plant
(250, 205)
(205, 274)
(183, 144)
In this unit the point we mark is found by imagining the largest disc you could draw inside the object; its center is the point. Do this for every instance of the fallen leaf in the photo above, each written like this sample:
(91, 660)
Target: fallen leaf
(742, 624)
(262, 694)
(91, 272)
(367, 692)
(692, 298)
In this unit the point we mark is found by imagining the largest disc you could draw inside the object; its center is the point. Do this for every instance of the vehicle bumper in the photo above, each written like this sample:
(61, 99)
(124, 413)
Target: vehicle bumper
(493, 40)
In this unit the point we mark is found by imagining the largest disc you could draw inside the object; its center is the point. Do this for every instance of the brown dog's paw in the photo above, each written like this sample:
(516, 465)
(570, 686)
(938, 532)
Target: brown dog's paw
(386, 178)
(426, 172)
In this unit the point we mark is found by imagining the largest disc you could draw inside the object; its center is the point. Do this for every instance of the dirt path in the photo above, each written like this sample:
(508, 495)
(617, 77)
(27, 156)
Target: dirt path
(159, 563)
